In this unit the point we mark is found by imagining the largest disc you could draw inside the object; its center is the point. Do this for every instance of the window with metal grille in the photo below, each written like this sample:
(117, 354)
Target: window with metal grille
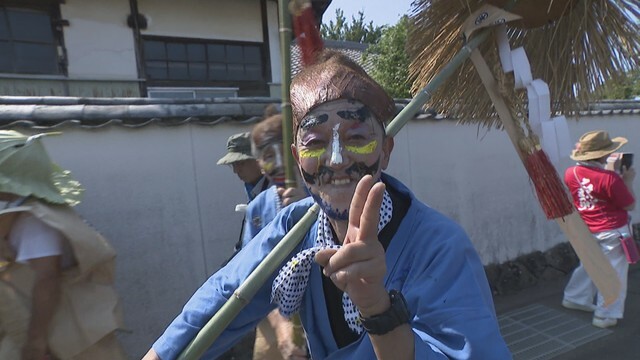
(193, 62)
(28, 42)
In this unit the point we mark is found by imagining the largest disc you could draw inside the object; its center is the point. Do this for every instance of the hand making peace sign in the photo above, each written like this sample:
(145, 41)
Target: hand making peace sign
(359, 266)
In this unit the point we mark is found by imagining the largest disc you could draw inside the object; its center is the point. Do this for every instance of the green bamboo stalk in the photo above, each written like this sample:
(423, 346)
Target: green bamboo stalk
(216, 325)
(287, 125)
(287, 122)
(243, 295)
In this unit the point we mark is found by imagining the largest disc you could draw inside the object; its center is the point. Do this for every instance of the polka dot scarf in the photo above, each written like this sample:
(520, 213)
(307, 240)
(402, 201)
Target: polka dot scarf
(291, 282)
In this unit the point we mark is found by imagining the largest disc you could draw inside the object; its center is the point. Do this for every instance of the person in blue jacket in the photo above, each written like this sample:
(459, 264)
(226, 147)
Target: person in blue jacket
(379, 274)
(275, 335)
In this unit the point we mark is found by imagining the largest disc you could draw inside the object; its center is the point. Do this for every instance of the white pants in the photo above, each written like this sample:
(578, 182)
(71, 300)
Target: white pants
(581, 290)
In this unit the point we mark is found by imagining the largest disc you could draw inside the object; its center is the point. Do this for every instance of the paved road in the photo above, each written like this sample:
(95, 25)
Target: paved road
(622, 344)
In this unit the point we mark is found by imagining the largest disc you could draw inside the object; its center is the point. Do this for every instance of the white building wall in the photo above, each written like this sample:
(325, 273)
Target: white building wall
(98, 41)
(168, 209)
(238, 20)
(274, 44)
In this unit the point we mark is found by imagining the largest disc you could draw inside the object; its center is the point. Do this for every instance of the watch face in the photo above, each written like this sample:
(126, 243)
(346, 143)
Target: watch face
(395, 316)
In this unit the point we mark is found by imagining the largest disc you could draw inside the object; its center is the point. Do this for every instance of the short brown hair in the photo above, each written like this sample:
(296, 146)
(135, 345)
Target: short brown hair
(334, 76)
(267, 131)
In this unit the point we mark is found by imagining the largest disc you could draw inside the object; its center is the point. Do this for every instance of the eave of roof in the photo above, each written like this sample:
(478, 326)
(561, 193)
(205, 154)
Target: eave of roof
(53, 112)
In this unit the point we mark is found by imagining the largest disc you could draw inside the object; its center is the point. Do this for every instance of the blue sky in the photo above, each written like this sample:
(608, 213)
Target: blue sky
(381, 12)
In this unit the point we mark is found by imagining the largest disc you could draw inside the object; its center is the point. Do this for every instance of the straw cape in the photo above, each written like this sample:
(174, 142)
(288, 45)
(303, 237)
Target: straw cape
(595, 145)
(27, 170)
(574, 45)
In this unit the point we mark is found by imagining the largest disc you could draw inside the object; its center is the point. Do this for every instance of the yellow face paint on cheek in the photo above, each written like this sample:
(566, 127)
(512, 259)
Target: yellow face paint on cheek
(363, 150)
(268, 166)
(306, 153)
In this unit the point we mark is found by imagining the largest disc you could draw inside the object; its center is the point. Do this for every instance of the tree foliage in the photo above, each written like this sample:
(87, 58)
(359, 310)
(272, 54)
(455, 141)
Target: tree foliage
(391, 62)
(629, 88)
(357, 30)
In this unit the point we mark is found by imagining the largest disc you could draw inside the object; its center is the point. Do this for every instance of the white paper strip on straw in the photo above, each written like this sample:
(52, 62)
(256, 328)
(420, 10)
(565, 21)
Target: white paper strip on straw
(544, 99)
(521, 68)
(562, 136)
(504, 49)
(549, 142)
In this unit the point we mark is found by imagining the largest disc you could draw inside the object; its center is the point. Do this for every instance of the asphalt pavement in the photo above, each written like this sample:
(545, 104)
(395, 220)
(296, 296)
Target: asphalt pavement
(621, 343)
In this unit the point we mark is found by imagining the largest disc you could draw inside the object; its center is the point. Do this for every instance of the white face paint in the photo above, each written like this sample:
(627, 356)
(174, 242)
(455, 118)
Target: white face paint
(336, 149)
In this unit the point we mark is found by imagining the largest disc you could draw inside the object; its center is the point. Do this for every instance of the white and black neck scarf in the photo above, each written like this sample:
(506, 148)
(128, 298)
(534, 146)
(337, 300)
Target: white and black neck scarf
(290, 284)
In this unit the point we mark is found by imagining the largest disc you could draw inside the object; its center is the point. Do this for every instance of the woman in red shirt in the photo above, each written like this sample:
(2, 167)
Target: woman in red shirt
(603, 198)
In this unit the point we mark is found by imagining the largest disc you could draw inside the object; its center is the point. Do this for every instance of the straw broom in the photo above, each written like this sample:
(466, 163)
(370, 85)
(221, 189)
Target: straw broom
(575, 45)
(582, 45)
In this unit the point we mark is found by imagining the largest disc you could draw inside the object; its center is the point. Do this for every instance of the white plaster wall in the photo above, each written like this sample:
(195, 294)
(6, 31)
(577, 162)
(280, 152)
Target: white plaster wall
(475, 177)
(157, 194)
(274, 43)
(99, 43)
(168, 209)
(238, 20)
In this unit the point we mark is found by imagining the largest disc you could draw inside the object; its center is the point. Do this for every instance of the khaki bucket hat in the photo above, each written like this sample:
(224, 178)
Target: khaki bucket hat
(596, 144)
(238, 149)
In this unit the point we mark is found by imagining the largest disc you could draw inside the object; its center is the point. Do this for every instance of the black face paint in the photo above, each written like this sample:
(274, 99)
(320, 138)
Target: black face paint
(312, 120)
(313, 179)
(359, 170)
(324, 175)
(330, 211)
(361, 114)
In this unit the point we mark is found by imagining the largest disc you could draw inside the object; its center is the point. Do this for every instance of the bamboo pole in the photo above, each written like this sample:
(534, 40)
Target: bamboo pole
(287, 122)
(243, 295)
(290, 181)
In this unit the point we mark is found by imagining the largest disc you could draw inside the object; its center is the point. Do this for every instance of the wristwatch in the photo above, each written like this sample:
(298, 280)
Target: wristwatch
(396, 315)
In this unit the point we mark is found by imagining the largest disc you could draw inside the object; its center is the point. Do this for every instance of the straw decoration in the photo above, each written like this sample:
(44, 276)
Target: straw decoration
(594, 41)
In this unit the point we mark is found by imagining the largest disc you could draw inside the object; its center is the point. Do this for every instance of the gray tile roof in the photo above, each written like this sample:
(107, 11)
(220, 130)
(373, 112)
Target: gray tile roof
(54, 112)
(352, 49)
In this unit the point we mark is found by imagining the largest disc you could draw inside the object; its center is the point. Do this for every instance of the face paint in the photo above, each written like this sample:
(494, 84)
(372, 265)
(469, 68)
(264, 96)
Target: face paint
(272, 164)
(306, 153)
(336, 150)
(324, 175)
(361, 114)
(310, 121)
(363, 150)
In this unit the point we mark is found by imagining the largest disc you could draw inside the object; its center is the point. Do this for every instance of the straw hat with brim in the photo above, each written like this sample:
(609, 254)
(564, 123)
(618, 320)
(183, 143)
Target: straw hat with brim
(595, 145)
(238, 149)
(27, 170)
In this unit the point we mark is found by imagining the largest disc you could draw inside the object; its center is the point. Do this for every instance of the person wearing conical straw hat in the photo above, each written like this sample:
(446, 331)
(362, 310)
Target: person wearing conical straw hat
(379, 274)
(603, 198)
(52, 263)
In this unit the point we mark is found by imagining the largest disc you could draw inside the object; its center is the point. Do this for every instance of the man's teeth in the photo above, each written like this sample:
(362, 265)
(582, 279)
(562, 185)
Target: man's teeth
(340, 181)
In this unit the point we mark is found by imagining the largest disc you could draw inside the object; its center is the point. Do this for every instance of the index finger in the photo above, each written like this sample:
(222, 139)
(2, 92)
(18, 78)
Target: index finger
(359, 200)
(371, 213)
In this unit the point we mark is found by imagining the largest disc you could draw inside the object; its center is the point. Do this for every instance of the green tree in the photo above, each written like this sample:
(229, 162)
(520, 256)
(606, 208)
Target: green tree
(391, 62)
(357, 30)
(629, 88)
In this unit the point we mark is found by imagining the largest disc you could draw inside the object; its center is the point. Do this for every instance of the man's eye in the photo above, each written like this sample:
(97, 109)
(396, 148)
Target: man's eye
(314, 144)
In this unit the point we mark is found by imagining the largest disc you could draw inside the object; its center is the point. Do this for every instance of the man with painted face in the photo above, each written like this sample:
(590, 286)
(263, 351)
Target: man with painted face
(379, 274)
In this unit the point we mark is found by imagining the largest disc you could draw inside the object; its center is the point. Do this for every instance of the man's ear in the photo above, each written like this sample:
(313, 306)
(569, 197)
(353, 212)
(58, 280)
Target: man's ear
(294, 152)
(387, 148)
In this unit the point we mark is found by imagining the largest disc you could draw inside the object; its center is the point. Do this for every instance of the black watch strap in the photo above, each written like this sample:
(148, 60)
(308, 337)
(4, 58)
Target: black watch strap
(396, 315)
